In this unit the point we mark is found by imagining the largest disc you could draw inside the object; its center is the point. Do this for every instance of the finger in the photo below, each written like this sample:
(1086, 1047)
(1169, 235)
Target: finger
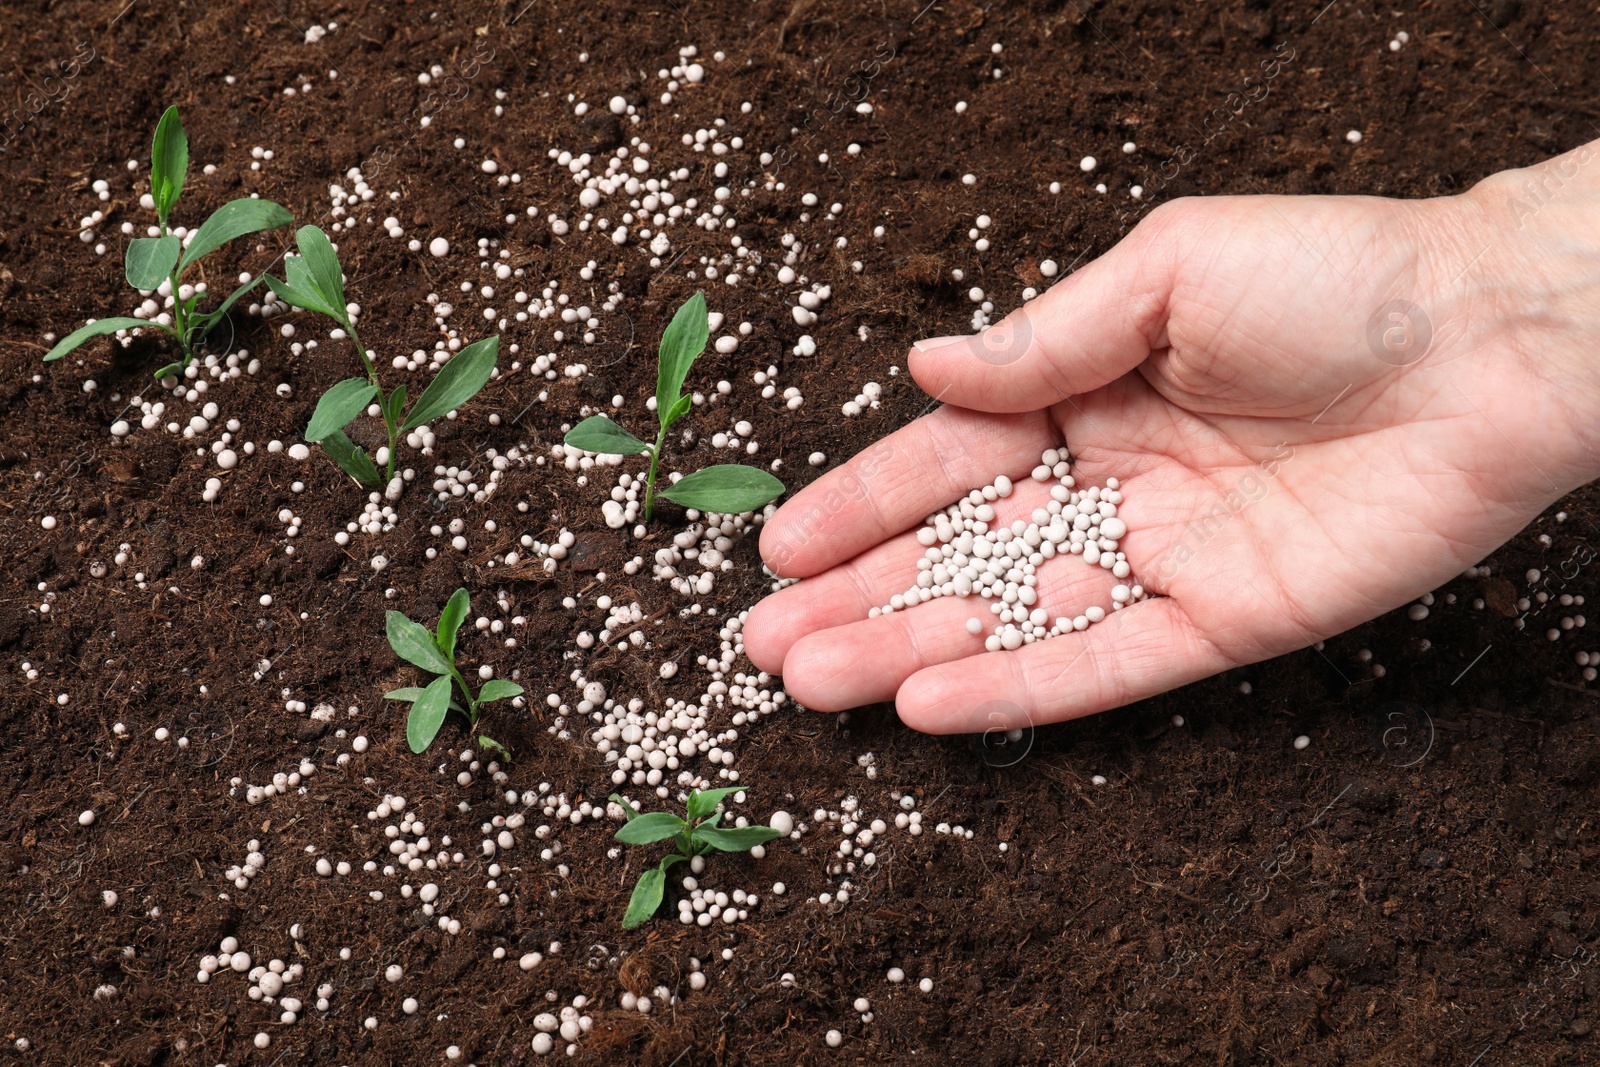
(846, 592)
(1140, 651)
(840, 595)
(1087, 330)
(894, 484)
(865, 661)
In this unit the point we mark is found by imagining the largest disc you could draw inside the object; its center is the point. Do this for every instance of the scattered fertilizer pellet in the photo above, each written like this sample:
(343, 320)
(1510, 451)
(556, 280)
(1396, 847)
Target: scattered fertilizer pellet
(1302, 742)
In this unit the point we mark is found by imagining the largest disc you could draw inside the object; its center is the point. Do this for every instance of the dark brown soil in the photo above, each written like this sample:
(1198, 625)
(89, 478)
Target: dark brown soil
(1420, 885)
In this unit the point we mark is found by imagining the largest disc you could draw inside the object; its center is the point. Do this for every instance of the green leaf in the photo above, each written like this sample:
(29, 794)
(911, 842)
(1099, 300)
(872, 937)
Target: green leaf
(679, 409)
(394, 406)
(322, 268)
(685, 338)
(488, 742)
(628, 809)
(734, 838)
(169, 163)
(171, 370)
(149, 260)
(339, 406)
(428, 713)
(457, 382)
(450, 620)
(648, 829)
(599, 434)
(222, 309)
(704, 802)
(95, 329)
(411, 693)
(646, 898)
(498, 689)
(233, 219)
(355, 461)
(728, 488)
(296, 294)
(413, 643)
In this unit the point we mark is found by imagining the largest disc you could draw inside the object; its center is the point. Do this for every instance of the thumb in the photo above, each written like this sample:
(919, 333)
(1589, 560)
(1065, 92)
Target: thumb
(1084, 332)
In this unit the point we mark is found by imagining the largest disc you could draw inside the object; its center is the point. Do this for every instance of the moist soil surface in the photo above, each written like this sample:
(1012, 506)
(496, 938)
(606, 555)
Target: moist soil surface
(1417, 885)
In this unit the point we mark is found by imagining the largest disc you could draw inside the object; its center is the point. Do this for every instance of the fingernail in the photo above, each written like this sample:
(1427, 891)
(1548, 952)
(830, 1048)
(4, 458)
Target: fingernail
(929, 343)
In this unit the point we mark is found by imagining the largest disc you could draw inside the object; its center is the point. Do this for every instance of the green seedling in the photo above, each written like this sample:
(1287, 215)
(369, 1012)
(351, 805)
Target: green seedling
(694, 836)
(313, 281)
(153, 260)
(436, 653)
(727, 488)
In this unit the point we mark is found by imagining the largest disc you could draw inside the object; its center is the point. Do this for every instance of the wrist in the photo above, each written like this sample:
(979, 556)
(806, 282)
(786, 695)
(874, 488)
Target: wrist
(1532, 289)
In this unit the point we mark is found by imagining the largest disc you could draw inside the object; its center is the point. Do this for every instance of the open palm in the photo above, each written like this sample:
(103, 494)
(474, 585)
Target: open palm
(1317, 408)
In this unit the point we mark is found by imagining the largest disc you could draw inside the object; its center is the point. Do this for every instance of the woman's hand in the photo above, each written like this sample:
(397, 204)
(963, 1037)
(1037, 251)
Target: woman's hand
(1318, 408)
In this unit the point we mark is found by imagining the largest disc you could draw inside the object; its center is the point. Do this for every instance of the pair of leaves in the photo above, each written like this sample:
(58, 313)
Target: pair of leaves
(702, 802)
(728, 488)
(706, 834)
(312, 280)
(435, 653)
(457, 382)
(152, 260)
(682, 342)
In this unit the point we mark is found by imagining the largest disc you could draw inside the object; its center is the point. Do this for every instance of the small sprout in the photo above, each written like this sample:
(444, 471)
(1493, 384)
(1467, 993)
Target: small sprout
(436, 653)
(727, 488)
(153, 260)
(695, 836)
(314, 281)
